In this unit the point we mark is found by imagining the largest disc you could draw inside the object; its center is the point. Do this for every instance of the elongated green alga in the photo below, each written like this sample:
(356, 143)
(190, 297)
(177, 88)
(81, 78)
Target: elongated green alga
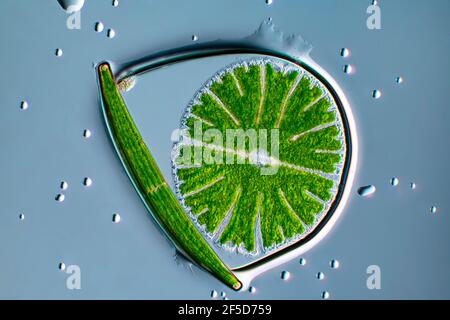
(150, 184)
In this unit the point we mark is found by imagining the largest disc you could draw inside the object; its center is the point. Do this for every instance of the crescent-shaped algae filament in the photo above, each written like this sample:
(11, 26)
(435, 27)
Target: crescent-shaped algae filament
(150, 184)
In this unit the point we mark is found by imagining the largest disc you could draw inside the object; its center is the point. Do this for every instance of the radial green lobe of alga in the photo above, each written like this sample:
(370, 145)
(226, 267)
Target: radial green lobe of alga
(246, 196)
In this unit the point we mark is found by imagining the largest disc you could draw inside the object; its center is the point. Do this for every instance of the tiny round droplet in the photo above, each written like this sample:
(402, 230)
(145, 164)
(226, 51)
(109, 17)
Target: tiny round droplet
(64, 185)
(433, 209)
(269, 2)
(412, 185)
(334, 264)
(87, 133)
(115, 3)
(24, 105)
(58, 52)
(320, 275)
(225, 298)
(252, 289)
(285, 275)
(111, 33)
(345, 52)
(21, 216)
(365, 191)
(60, 197)
(87, 182)
(194, 37)
(99, 26)
(348, 68)
(62, 266)
(213, 294)
(116, 218)
(376, 94)
(223, 294)
(325, 295)
(399, 79)
(394, 181)
(302, 261)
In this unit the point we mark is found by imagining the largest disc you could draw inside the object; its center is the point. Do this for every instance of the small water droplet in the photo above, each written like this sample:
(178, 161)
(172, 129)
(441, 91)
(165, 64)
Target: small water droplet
(334, 264)
(87, 133)
(24, 105)
(399, 79)
(269, 2)
(62, 266)
(345, 52)
(433, 209)
(213, 294)
(99, 27)
(194, 37)
(285, 275)
(365, 191)
(64, 185)
(394, 181)
(376, 93)
(116, 218)
(115, 3)
(225, 298)
(21, 216)
(302, 261)
(71, 5)
(320, 275)
(325, 295)
(58, 52)
(60, 197)
(111, 33)
(374, 2)
(412, 185)
(252, 290)
(348, 68)
(223, 294)
(87, 182)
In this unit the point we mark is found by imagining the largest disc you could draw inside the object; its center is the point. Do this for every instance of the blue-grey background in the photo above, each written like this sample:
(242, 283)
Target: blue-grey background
(403, 134)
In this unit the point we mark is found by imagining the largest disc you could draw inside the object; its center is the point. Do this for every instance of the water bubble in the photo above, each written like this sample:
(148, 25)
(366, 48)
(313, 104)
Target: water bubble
(99, 27)
(345, 52)
(334, 264)
(115, 3)
(376, 93)
(71, 6)
(399, 79)
(223, 294)
(24, 105)
(285, 275)
(60, 197)
(433, 209)
(213, 294)
(194, 38)
(302, 261)
(62, 266)
(269, 2)
(87, 133)
(365, 191)
(394, 181)
(320, 275)
(64, 185)
(325, 295)
(374, 2)
(225, 298)
(111, 33)
(87, 182)
(412, 185)
(116, 218)
(348, 68)
(58, 52)
(252, 290)
(21, 216)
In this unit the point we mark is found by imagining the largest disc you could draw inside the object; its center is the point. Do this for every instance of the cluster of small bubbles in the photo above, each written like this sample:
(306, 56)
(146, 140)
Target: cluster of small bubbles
(21, 216)
(116, 218)
(98, 27)
(60, 197)
(24, 105)
(320, 275)
(412, 185)
(376, 93)
(394, 181)
(365, 191)
(269, 2)
(252, 290)
(115, 3)
(399, 79)
(433, 209)
(87, 133)
(110, 33)
(64, 185)
(325, 295)
(348, 68)
(62, 266)
(302, 261)
(285, 275)
(213, 294)
(334, 264)
(87, 182)
(345, 52)
(58, 52)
